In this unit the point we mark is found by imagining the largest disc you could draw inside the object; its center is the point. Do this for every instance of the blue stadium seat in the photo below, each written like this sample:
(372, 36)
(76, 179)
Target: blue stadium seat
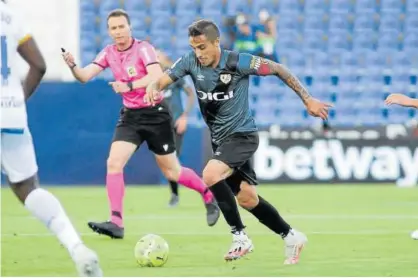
(107, 5)
(339, 22)
(389, 40)
(364, 40)
(183, 22)
(411, 23)
(213, 5)
(401, 63)
(341, 6)
(161, 25)
(391, 6)
(237, 6)
(288, 40)
(160, 6)
(365, 22)
(162, 43)
(315, 7)
(88, 57)
(186, 6)
(258, 5)
(88, 41)
(412, 6)
(139, 34)
(138, 22)
(390, 21)
(366, 6)
(348, 63)
(315, 22)
(88, 21)
(289, 22)
(87, 6)
(314, 40)
(411, 42)
(295, 61)
(140, 6)
(289, 6)
(339, 41)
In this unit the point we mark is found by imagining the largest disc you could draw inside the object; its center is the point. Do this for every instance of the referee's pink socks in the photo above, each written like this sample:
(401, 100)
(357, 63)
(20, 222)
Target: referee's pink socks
(191, 180)
(115, 186)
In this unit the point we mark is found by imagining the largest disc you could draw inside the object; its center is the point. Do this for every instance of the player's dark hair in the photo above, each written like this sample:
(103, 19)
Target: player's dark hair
(117, 13)
(204, 27)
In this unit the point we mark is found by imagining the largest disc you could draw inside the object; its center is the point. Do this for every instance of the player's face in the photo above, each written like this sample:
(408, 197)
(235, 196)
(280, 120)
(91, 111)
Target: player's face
(206, 51)
(119, 29)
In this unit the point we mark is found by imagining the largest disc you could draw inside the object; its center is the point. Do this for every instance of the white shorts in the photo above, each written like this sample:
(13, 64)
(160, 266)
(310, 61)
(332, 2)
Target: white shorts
(18, 160)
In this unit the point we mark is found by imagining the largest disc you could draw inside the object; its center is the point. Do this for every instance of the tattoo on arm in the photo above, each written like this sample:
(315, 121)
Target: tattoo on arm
(268, 67)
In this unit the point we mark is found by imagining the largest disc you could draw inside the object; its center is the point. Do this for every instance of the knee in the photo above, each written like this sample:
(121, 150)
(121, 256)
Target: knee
(210, 176)
(247, 199)
(171, 173)
(115, 165)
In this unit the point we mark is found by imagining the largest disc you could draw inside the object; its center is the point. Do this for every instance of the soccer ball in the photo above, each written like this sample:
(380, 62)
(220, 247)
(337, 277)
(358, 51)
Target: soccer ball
(414, 235)
(151, 251)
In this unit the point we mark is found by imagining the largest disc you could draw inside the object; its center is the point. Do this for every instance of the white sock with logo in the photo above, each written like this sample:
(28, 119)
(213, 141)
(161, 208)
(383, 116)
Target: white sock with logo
(47, 208)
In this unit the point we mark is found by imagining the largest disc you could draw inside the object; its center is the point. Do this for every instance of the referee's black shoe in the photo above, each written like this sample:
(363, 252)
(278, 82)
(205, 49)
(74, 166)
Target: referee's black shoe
(107, 228)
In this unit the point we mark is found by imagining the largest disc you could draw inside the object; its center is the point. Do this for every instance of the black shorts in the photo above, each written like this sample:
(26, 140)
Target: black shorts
(152, 124)
(236, 151)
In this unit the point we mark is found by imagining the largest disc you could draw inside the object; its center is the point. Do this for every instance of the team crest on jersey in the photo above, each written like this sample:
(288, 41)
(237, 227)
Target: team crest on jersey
(131, 71)
(226, 78)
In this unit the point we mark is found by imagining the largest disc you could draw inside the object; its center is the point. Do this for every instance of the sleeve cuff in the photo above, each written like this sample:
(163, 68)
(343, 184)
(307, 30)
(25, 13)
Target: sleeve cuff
(99, 65)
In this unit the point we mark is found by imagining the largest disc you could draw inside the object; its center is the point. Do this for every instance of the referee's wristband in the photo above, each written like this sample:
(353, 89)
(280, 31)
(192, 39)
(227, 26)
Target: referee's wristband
(130, 85)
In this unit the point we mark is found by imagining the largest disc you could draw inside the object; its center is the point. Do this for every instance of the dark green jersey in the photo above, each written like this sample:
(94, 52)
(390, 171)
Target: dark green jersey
(172, 95)
(222, 91)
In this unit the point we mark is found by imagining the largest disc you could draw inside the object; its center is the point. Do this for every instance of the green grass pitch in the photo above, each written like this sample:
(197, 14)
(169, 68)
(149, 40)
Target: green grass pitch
(352, 230)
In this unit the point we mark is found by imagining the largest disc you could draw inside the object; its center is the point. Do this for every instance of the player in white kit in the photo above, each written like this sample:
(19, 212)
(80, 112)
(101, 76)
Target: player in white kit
(18, 161)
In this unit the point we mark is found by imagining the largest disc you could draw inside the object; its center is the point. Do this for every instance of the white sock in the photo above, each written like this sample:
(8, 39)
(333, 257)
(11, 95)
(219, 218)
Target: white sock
(47, 208)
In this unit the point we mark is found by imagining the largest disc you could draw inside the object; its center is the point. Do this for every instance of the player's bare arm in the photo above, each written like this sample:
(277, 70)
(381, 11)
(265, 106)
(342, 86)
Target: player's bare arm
(30, 52)
(81, 74)
(315, 107)
(402, 100)
(181, 123)
(154, 72)
(155, 87)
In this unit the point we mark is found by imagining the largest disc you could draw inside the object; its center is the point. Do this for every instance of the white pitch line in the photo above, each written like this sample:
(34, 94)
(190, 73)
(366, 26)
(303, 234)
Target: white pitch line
(360, 232)
(294, 216)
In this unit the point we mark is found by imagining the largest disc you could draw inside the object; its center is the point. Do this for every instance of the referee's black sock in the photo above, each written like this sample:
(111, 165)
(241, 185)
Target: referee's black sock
(174, 188)
(226, 202)
(269, 216)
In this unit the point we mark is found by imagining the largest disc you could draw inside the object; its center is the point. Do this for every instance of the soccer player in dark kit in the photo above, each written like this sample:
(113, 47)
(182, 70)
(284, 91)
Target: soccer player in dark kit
(221, 78)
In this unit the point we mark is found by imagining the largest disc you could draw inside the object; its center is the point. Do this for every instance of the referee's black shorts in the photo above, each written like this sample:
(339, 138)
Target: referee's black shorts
(152, 124)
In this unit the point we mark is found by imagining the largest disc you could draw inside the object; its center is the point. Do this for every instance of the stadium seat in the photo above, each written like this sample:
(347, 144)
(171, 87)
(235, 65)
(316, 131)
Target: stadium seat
(237, 6)
(314, 40)
(341, 6)
(258, 5)
(366, 6)
(365, 22)
(160, 6)
(289, 22)
(314, 22)
(88, 6)
(411, 24)
(339, 22)
(288, 40)
(107, 5)
(161, 25)
(339, 41)
(390, 22)
(213, 5)
(389, 40)
(412, 6)
(391, 6)
(186, 6)
(348, 63)
(315, 7)
(88, 21)
(88, 41)
(411, 42)
(138, 22)
(139, 6)
(289, 6)
(183, 22)
(364, 40)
